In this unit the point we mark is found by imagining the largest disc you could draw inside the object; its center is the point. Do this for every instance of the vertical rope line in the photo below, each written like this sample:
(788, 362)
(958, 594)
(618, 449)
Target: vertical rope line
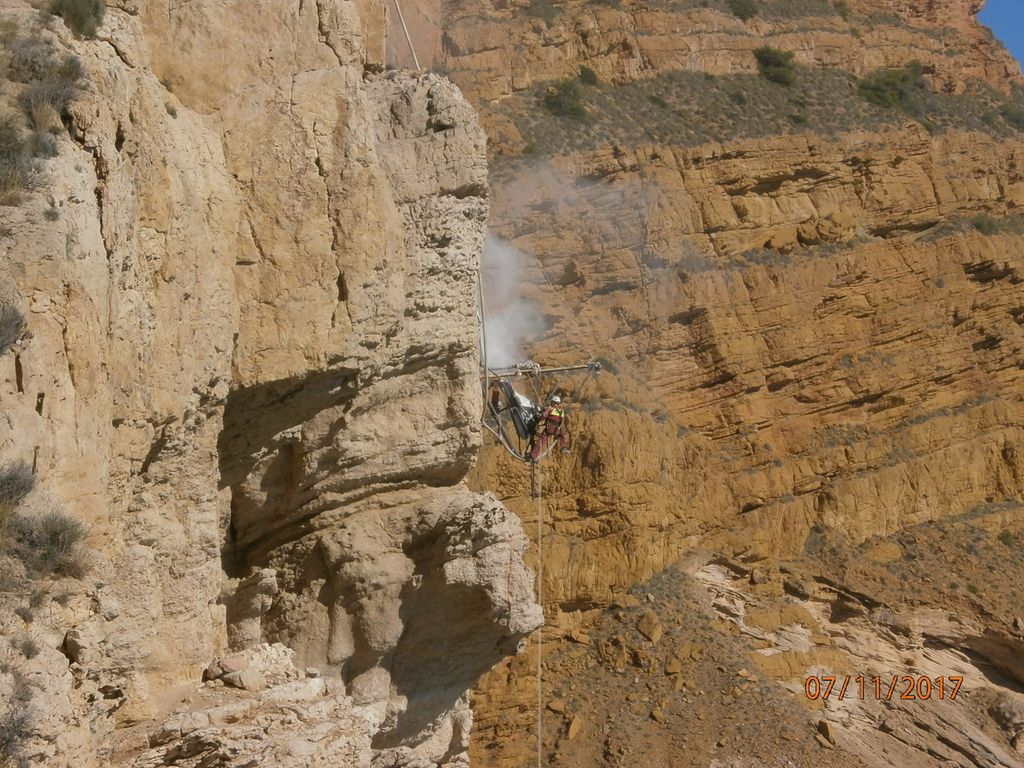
(481, 316)
(540, 632)
(408, 39)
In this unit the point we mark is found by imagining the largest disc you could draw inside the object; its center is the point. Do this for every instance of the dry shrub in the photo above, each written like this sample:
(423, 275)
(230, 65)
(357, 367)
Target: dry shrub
(83, 17)
(50, 543)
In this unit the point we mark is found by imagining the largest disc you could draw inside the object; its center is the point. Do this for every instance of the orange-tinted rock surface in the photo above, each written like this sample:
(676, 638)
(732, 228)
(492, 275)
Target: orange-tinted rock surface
(812, 324)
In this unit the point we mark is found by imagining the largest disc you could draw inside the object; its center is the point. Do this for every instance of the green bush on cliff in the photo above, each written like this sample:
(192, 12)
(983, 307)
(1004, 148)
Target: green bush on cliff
(899, 88)
(743, 9)
(985, 224)
(565, 99)
(589, 76)
(1014, 115)
(83, 17)
(776, 65)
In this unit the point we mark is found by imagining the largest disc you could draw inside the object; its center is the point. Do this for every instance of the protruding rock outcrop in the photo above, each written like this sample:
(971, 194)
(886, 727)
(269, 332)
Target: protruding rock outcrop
(251, 366)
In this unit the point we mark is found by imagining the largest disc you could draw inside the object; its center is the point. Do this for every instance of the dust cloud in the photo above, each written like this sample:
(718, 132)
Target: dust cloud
(511, 321)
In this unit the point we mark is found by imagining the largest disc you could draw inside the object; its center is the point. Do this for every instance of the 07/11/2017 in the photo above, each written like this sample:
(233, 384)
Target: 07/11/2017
(906, 687)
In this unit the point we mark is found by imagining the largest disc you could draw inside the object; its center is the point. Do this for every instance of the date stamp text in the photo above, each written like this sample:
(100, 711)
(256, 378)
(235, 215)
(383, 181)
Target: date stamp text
(906, 687)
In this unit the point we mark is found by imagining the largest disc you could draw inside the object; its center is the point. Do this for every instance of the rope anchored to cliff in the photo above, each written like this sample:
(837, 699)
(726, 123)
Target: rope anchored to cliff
(528, 431)
(535, 479)
(408, 38)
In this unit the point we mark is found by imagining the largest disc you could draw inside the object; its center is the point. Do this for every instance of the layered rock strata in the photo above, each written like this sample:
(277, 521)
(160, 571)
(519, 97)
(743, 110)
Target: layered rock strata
(808, 304)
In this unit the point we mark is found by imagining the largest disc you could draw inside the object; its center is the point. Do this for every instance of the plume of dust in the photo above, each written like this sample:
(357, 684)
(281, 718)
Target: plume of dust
(511, 321)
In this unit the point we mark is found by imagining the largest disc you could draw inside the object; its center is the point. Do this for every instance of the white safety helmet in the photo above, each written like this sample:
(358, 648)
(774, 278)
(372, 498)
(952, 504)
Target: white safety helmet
(556, 400)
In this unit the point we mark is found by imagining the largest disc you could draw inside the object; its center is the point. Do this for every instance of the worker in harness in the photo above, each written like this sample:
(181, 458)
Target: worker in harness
(550, 425)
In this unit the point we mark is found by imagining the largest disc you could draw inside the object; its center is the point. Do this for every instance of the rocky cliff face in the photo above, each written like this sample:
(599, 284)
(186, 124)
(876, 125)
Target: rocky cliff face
(494, 49)
(809, 302)
(250, 365)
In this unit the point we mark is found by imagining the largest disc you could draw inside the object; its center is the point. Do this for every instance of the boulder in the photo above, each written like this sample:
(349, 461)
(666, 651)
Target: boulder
(649, 625)
(247, 679)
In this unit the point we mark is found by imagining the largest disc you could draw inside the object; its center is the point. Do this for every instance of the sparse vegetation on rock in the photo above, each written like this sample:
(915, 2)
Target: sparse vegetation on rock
(1013, 113)
(49, 543)
(16, 483)
(46, 98)
(743, 9)
(776, 65)
(15, 729)
(899, 88)
(985, 224)
(83, 17)
(50, 83)
(12, 325)
(588, 76)
(17, 167)
(28, 646)
(565, 99)
(544, 10)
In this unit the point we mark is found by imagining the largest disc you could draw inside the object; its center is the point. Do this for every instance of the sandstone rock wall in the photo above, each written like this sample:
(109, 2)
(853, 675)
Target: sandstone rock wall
(498, 49)
(251, 367)
(780, 363)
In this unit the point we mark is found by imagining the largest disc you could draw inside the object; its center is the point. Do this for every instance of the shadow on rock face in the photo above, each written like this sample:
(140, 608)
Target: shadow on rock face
(453, 634)
(255, 416)
(448, 643)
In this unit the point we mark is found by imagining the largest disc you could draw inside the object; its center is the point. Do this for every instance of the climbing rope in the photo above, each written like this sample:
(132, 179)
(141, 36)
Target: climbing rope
(481, 314)
(535, 479)
(408, 39)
